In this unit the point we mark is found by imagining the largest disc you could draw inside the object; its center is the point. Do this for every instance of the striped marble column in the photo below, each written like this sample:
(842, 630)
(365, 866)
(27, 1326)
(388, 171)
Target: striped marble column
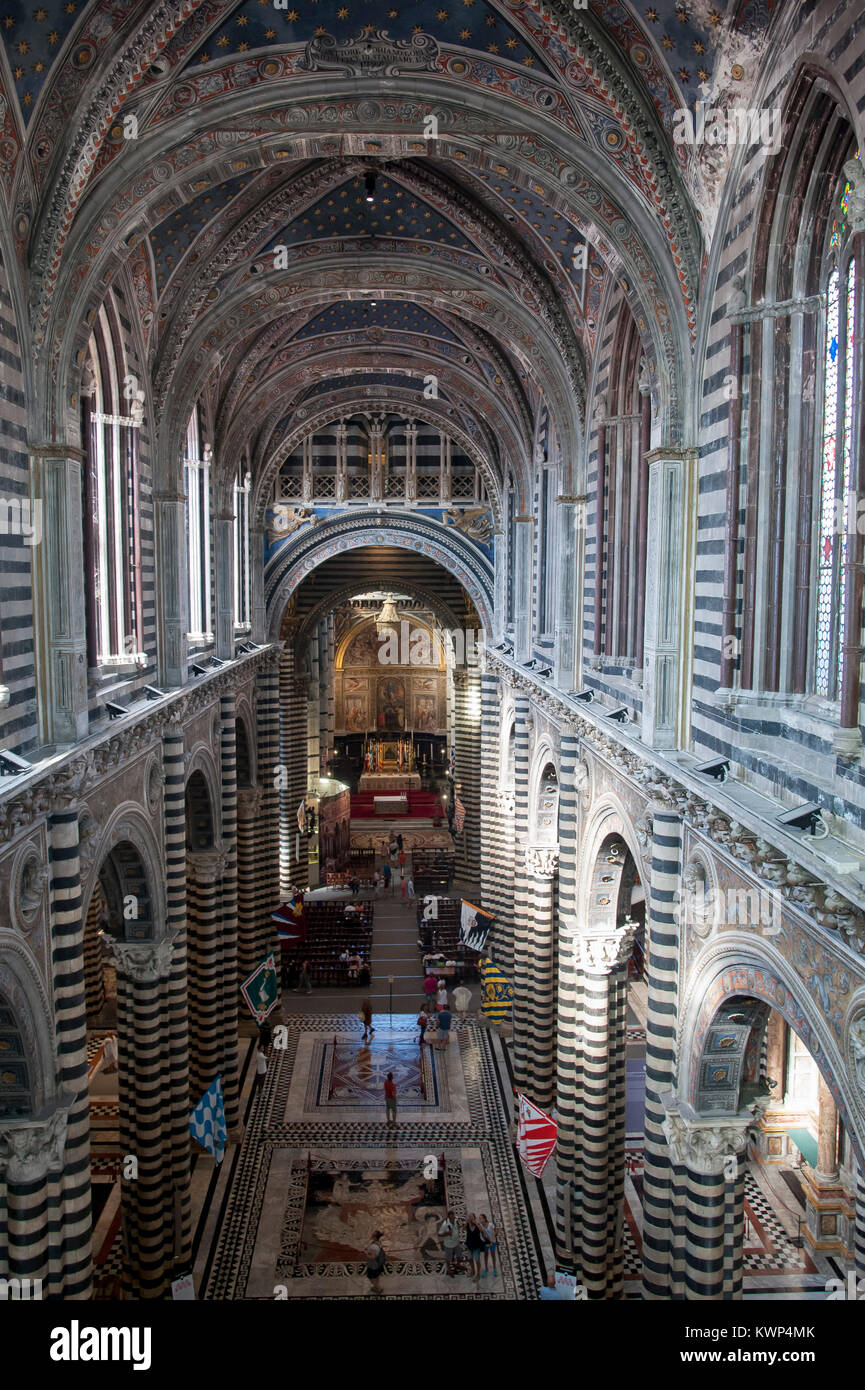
(522, 980)
(598, 1209)
(293, 867)
(662, 933)
(497, 846)
(94, 974)
(568, 1029)
(267, 839)
(708, 1227)
(229, 904)
(45, 1158)
(859, 1235)
(248, 806)
(467, 729)
(147, 1135)
(204, 871)
(541, 865)
(175, 1039)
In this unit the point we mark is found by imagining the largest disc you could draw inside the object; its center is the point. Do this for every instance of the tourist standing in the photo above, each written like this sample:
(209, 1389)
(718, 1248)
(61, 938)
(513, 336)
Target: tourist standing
(422, 1023)
(429, 989)
(474, 1245)
(366, 1015)
(401, 857)
(442, 995)
(491, 1244)
(305, 985)
(260, 1067)
(450, 1241)
(444, 1023)
(375, 879)
(375, 1262)
(390, 1099)
(462, 999)
(410, 890)
(403, 889)
(386, 876)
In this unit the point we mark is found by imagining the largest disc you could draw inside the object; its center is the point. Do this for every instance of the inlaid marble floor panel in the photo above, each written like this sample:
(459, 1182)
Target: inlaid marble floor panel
(319, 1170)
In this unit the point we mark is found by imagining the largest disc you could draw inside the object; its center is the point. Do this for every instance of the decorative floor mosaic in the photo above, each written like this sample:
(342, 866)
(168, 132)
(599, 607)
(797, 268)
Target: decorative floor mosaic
(353, 1074)
(308, 1189)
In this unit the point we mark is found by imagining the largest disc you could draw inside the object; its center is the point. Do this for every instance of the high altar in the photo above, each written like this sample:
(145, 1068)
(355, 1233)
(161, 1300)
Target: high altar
(389, 765)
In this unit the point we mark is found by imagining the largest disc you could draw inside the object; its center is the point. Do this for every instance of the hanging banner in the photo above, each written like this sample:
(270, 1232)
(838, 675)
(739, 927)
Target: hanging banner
(261, 989)
(474, 926)
(498, 995)
(536, 1136)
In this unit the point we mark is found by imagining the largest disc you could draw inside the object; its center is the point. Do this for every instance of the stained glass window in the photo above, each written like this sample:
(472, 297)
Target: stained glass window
(835, 479)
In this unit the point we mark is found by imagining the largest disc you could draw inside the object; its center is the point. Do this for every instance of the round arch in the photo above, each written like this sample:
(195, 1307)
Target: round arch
(129, 826)
(295, 560)
(22, 992)
(608, 818)
(740, 966)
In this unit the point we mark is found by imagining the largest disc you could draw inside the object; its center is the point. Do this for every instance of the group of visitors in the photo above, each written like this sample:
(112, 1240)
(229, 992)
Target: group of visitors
(436, 993)
(386, 881)
(480, 1240)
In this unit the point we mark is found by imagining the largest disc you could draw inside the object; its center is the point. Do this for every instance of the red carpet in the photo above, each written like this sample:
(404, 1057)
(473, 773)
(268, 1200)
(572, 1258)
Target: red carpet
(419, 804)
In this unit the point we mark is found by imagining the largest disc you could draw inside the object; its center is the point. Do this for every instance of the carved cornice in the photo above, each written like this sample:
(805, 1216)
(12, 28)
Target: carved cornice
(33, 1147)
(143, 962)
(804, 888)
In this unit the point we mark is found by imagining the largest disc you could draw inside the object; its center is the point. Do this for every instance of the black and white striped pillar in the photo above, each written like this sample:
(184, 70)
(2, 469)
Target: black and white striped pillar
(708, 1226)
(229, 900)
(248, 806)
(267, 839)
(662, 933)
(175, 1040)
(467, 732)
(147, 1136)
(522, 981)
(540, 1014)
(568, 1034)
(598, 1215)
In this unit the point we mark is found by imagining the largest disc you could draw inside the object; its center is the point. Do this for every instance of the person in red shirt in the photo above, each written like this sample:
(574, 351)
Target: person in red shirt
(390, 1099)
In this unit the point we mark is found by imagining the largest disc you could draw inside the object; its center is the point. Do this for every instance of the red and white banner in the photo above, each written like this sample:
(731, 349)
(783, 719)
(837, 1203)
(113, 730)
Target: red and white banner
(536, 1136)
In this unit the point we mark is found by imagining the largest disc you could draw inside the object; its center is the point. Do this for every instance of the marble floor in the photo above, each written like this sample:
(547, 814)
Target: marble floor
(319, 1170)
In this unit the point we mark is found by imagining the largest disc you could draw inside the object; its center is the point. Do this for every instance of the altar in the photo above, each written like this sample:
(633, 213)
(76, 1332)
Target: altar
(389, 782)
(395, 805)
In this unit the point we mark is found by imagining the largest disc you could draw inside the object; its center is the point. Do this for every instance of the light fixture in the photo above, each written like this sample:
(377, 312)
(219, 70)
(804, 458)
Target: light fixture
(388, 618)
(198, 670)
(621, 716)
(587, 695)
(719, 768)
(153, 694)
(216, 661)
(115, 711)
(11, 764)
(807, 817)
(369, 181)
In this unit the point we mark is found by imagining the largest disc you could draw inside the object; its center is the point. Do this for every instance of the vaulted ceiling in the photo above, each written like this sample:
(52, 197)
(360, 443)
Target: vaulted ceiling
(523, 159)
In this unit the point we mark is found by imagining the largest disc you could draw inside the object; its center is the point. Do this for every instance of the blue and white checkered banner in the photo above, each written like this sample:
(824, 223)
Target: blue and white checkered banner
(207, 1121)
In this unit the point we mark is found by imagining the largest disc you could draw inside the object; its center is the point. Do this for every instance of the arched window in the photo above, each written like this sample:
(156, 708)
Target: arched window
(242, 604)
(196, 472)
(835, 459)
(113, 411)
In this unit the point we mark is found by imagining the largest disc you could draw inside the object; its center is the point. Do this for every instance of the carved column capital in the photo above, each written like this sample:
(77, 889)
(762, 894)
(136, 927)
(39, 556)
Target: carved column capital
(542, 861)
(704, 1144)
(600, 953)
(506, 799)
(248, 802)
(206, 867)
(33, 1147)
(143, 962)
